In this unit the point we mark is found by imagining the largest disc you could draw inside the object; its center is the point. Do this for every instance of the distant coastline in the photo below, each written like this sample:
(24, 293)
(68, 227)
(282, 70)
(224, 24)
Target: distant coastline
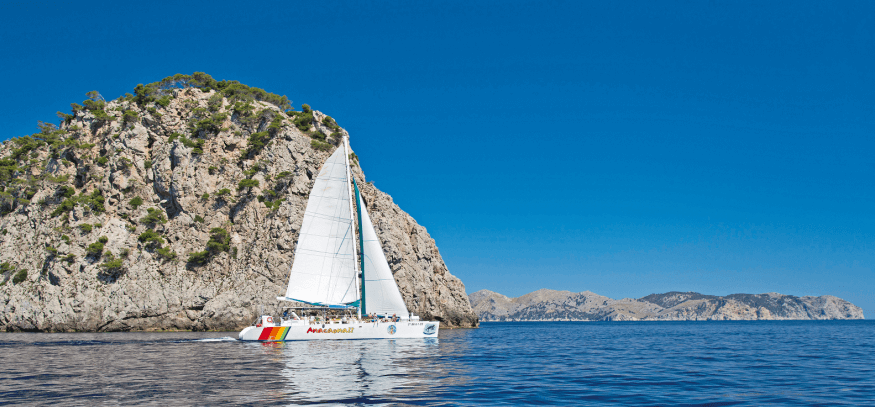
(550, 305)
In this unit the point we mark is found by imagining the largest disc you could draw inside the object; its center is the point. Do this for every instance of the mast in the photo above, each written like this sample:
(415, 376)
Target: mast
(350, 183)
(358, 207)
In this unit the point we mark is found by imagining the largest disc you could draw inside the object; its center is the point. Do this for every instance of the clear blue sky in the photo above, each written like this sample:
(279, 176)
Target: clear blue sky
(625, 148)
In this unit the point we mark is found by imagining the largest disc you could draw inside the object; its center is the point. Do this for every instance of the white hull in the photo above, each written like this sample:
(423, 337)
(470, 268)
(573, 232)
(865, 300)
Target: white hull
(304, 331)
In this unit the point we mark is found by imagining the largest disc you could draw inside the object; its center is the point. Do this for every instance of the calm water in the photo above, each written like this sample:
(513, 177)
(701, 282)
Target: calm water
(637, 364)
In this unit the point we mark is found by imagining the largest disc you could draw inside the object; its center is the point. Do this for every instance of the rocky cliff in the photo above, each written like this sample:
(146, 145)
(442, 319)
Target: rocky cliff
(179, 207)
(551, 305)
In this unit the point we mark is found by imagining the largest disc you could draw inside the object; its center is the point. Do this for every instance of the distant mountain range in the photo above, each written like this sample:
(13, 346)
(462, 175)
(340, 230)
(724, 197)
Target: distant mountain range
(552, 305)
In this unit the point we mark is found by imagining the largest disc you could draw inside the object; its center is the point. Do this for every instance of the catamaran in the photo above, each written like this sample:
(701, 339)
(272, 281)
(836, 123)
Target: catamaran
(348, 288)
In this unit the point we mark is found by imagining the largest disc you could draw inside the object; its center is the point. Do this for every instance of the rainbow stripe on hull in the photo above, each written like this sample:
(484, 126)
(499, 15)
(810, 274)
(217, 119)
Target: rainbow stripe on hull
(274, 333)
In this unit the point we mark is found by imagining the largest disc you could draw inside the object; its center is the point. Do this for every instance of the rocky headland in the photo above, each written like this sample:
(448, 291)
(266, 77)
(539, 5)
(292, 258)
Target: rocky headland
(552, 305)
(178, 208)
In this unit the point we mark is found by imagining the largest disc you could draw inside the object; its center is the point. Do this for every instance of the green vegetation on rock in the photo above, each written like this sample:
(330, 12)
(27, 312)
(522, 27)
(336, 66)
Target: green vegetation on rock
(151, 238)
(154, 216)
(232, 90)
(95, 202)
(19, 277)
(95, 249)
(165, 253)
(320, 146)
(220, 241)
(246, 183)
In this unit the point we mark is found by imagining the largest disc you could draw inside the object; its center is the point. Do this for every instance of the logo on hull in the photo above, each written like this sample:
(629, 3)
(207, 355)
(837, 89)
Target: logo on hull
(391, 329)
(329, 331)
(430, 329)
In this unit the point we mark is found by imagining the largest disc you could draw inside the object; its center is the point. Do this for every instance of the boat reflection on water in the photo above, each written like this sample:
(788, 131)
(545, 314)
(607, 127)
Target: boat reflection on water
(344, 372)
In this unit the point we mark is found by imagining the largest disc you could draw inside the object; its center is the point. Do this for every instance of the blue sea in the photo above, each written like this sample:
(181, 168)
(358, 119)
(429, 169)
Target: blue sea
(756, 363)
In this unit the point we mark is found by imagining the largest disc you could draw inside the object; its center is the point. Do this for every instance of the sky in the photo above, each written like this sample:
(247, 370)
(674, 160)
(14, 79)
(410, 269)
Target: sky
(624, 148)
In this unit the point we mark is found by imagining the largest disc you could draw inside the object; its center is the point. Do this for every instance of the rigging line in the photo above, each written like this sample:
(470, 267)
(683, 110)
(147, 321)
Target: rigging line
(345, 234)
(351, 281)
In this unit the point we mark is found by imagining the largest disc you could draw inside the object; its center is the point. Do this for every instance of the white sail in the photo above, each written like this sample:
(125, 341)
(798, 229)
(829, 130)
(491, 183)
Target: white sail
(323, 271)
(381, 291)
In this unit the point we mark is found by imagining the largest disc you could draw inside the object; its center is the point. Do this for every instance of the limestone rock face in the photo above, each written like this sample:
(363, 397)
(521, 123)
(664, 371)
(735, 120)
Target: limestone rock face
(551, 305)
(194, 188)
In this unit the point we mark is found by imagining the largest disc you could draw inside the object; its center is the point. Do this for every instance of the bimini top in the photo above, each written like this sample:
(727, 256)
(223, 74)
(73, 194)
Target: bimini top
(320, 305)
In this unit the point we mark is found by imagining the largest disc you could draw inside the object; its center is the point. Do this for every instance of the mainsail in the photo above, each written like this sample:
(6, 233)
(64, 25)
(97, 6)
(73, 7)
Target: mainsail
(324, 269)
(381, 290)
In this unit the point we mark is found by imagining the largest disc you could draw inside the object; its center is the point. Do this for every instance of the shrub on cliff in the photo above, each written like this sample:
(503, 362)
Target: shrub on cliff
(19, 277)
(214, 103)
(8, 168)
(151, 238)
(95, 201)
(67, 191)
(144, 93)
(256, 143)
(102, 116)
(247, 183)
(273, 205)
(112, 263)
(243, 109)
(196, 146)
(320, 146)
(129, 117)
(165, 253)
(164, 101)
(153, 217)
(303, 121)
(199, 257)
(95, 249)
(111, 268)
(67, 118)
(220, 241)
(94, 102)
(210, 125)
